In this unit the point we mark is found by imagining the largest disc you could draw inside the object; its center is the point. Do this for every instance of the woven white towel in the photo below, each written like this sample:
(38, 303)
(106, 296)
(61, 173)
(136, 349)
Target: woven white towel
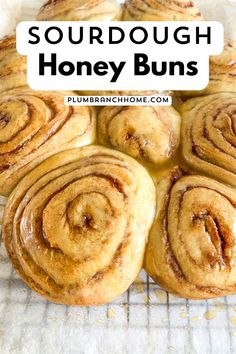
(14, 11)
(10, 13)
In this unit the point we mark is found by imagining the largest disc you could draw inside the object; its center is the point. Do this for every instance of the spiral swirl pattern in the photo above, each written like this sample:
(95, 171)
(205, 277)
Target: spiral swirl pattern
(209, 135)
(76, 227)
(80, 10)
(222, 72)
(35, 125)
(161, 10)
(149, 133)
(191, 250)
(12, 65)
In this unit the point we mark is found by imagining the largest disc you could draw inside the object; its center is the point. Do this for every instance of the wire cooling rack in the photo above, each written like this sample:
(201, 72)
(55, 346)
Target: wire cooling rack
(145, 319)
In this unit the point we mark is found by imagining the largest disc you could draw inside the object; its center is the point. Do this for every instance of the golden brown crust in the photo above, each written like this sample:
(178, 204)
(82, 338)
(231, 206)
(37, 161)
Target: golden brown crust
(191, 250)
(80, 10)
(75, 228)
(161, 10)
(145, 132)
(12, 65)
(209, 135)
(222, 72)
(33, 126)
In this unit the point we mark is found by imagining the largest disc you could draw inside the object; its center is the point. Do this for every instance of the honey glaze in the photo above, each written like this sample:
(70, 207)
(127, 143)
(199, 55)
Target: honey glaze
(157, 171)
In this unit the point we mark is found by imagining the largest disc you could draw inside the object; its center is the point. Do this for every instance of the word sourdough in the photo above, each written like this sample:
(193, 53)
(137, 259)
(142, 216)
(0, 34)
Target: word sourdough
(119, 55)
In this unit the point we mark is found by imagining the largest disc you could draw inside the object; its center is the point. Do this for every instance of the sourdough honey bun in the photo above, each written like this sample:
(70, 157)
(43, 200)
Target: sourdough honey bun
(148, 133)
(208, 135)
(161, 10)
(222, 76)
(223, 70)
(12, 65)
(191, 250)
(75, 228)
(80, 10)
(35, 125)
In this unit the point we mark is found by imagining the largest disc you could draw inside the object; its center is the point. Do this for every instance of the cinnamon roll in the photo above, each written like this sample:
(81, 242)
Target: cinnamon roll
(209, 135)
(75, 228)
(80, 10)
(161, 10)
(35, 125)
(144, 132)
(12, 65)
(222, 72)
(192, 245)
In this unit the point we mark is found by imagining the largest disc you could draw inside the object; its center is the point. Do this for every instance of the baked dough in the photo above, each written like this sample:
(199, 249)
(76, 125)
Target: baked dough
(80, 10)
(191, 250)
(161, 10)
(145, 132)
(209, 135)
(75, 228)
(222, 72)
(33, 126)
(12, 65)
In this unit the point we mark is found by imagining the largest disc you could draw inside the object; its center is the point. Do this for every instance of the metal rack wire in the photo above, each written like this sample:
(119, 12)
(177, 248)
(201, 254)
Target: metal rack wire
(145, 308)
(140, 321)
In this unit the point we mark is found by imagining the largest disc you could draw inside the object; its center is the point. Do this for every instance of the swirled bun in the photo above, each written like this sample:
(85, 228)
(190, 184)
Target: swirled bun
(161, 10)
(145, 132)
(12, 65)
(75, 228)
(209, 135)
(222, 72)
(191, 249)
(33, 126)
(80, 10)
